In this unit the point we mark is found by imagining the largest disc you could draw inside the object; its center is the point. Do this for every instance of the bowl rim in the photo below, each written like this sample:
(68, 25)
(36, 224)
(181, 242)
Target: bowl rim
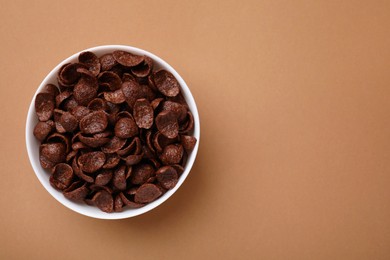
(93, 211)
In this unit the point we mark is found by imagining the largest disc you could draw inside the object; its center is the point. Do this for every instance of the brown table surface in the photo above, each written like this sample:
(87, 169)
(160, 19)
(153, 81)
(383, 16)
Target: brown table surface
(294, 100)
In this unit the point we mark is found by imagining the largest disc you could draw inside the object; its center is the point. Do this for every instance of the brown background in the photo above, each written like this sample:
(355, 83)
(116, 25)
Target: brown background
(294, 161)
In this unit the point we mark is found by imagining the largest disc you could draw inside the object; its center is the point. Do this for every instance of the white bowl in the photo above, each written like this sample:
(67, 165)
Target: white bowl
(43, 175)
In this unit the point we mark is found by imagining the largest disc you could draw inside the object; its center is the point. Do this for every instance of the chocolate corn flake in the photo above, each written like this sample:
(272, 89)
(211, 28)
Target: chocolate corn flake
(160, 141)
(62, 176)
(104, 201)
(143, 113)
(172, 154)
(77, 192)
(110, 78)
(132, 159)
(91, 162)
(143, 69)
(42, 130)
(127, 59)
(188, 125)
(80, 112)
(79, 173)
(148, 192)
(44, 106)
(68, 74)
(179, 169)
(53, 152)
(141, 174)
(118, 203)
(97, 104)
(60, 138)
(147, 92)
(94, 141)
(112, 160)
(94, 122)
(119, 178)
(69, 104)
(178, 109)
(166, 122)
(130, 203)
(51, 89)
(91, 61)
(126, 128)
(166, 83)
(115, 133)
(104, 177)
(132, 147)
(62, 97)
(132, 91)
(107, 62)
(167, 177)
(115, 97)
(188, 142)
(85, 90)
(68, 122)
(114, 145)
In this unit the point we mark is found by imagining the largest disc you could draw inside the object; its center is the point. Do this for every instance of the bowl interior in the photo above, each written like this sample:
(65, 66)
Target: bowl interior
(43, 175)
